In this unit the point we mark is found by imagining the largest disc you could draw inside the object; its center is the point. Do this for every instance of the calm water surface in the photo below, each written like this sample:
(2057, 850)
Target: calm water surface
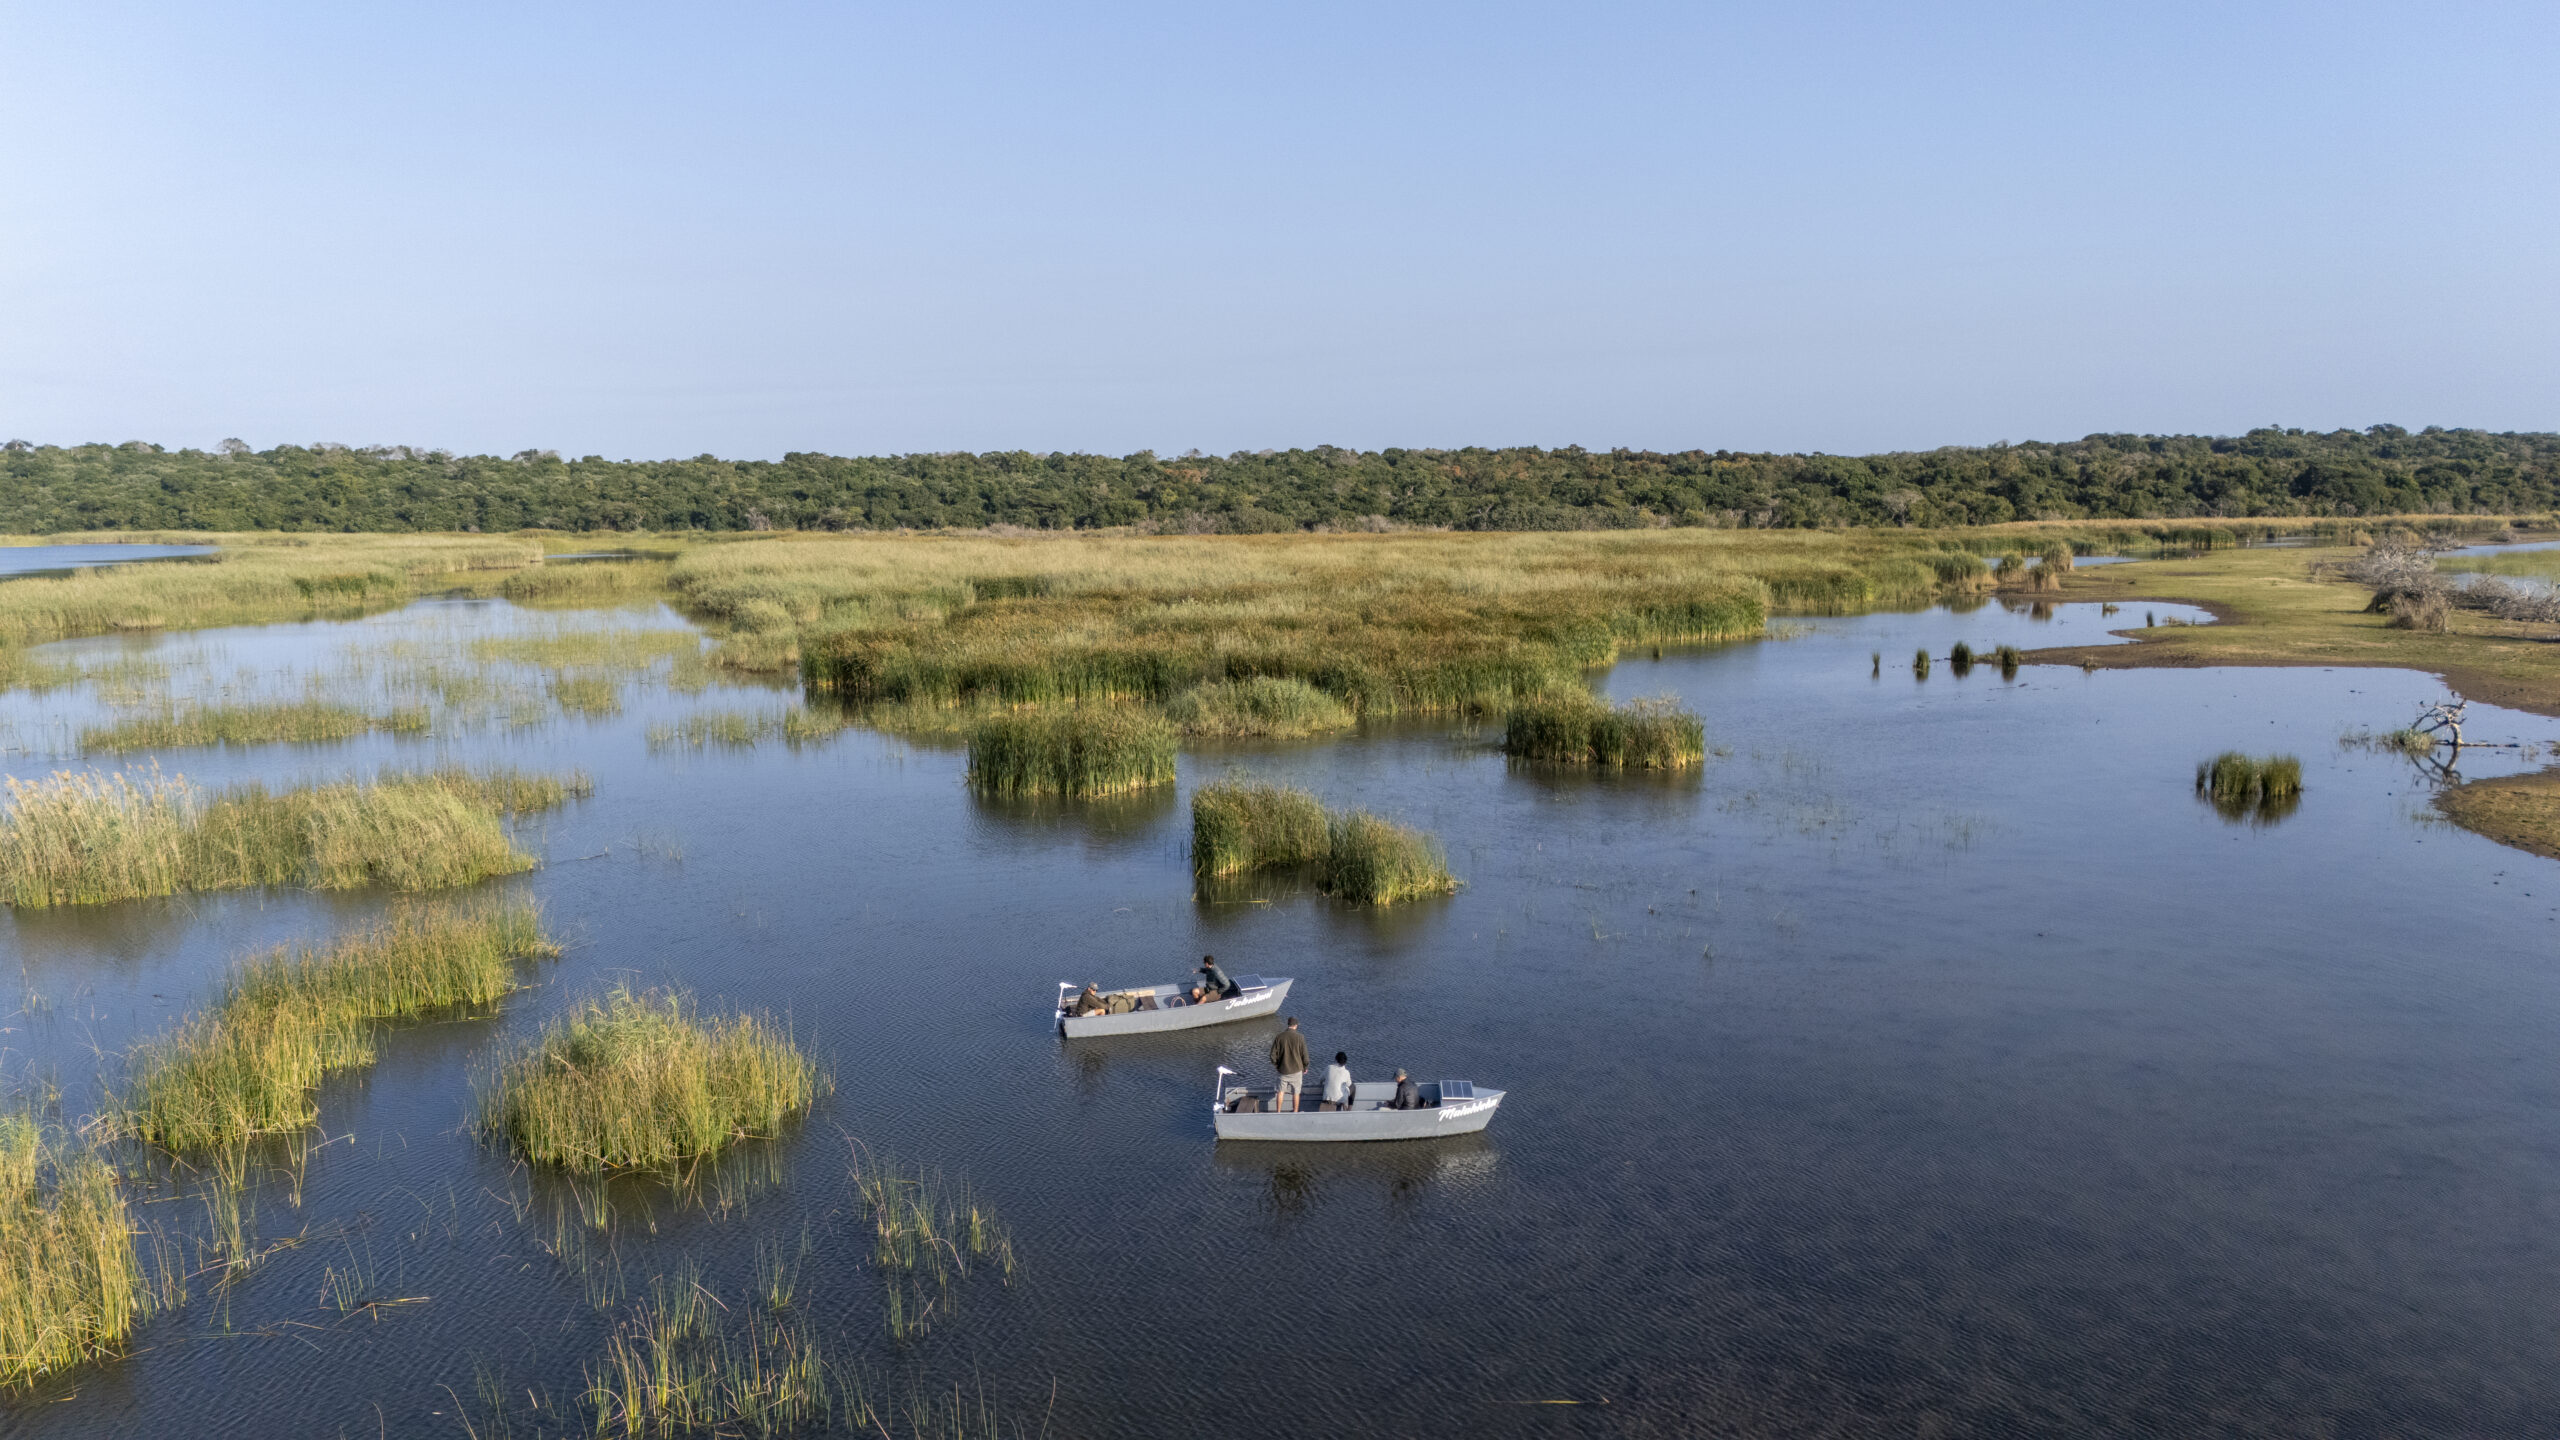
(1932, 1063)
(17, 561)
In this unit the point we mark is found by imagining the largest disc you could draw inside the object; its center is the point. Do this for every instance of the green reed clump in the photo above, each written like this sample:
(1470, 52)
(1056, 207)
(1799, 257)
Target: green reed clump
(595, 696)
(72, 1283)
(217, 1080)
(739, 729)
(1379, 862)
(1011, 587)
(1261, 705)
(1384, 625)
(410, 832)
(253, 580)
(641, 1080)
(1960, 659)
(587, 582)
(683, 1363)
(296, 722)
(1075, 750)
(928, 1234)
(2008, 657)
(1575, 727)
(733, 728)
(2227, 776)
(504, 788)
(249, 1065)
(2240, 787)
(21, 1148)
(1237, 826)
(88, 838)
(810, 724)
(2408, 741)
(758, 652)
(592, 648)
(20, 670)
(921, 1222)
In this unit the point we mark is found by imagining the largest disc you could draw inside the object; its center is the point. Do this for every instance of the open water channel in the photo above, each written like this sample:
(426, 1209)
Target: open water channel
(1933, 1062)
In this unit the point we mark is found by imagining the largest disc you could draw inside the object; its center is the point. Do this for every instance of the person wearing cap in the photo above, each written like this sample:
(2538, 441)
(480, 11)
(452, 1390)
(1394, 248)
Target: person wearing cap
(1213, 984)
(1091, 1002)
(1289, 1057)
(1408, 1094)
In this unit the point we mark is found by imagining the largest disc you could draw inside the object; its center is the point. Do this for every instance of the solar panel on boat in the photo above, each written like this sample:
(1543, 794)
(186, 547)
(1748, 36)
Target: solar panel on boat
(1457, 1090)
(1252, 982)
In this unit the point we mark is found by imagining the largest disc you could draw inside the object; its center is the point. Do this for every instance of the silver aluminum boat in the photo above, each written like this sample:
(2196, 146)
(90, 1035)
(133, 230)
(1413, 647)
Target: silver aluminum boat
(1450, 1107)
(1165, 1007)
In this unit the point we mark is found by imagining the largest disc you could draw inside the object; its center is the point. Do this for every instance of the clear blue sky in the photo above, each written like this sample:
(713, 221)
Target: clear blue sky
(745, 229)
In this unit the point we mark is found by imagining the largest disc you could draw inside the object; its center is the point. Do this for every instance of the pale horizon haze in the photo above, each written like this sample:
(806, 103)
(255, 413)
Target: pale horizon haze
(657, 231)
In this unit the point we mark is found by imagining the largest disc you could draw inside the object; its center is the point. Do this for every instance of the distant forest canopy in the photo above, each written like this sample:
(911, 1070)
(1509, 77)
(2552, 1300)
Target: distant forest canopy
(2268, 472)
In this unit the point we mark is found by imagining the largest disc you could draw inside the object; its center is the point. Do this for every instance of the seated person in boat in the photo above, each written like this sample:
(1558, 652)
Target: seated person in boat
(1213, 983)
(1090, 1002)
(1337, 1083)
(1408, 1094)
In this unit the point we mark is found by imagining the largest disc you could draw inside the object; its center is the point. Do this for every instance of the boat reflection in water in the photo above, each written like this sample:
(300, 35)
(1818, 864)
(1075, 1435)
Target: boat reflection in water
(1298, 1177)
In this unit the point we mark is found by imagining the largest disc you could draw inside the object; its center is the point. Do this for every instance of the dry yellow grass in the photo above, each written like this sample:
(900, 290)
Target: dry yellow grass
(72, 1284)
(254, 579)
(2518, 810)
(249, 1066)
(1379, 623)
(86, 838)
(2272, 609)
(643, 1080)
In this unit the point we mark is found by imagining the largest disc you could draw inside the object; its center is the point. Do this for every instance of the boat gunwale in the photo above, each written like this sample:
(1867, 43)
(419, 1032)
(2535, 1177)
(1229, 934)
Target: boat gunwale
(1254, 1003)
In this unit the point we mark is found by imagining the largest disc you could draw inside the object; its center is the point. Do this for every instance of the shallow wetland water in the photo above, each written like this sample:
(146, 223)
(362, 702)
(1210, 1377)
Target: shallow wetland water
(1934, 1061)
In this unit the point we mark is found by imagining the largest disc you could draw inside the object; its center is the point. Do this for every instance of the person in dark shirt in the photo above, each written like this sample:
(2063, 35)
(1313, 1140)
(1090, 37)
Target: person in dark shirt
(1289, 1057)
(1090, 1002)
(1213, 983)
(1408, 1094)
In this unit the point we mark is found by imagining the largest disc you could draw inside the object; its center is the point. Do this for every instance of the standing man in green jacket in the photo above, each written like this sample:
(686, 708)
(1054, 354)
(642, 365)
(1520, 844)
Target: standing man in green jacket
(1289, 1057)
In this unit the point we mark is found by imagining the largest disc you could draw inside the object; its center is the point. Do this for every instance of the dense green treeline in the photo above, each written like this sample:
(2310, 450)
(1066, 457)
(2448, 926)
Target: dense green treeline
(137, 486)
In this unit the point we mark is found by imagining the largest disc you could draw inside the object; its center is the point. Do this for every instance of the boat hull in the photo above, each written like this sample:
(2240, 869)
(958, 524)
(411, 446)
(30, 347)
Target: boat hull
(1455, 1117)
(1252, 1005)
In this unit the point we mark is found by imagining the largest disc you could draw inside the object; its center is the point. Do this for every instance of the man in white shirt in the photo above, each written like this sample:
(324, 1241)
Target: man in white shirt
(1337, 1082)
